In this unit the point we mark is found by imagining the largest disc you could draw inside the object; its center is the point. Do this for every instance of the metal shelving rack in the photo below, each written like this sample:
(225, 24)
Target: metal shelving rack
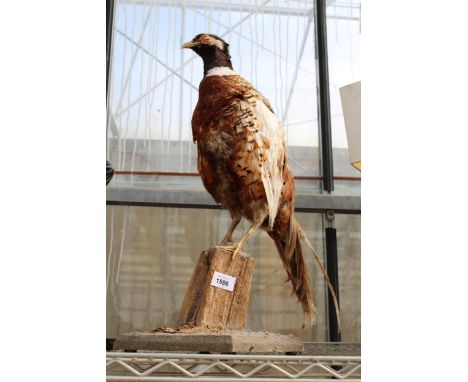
(343, 362)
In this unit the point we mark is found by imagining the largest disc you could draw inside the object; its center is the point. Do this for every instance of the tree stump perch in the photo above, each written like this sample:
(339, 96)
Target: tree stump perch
(208, 305)
(212, 318)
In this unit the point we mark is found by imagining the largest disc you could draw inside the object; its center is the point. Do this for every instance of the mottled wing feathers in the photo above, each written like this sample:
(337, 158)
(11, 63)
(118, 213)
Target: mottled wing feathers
(236, 124)
(272, 138)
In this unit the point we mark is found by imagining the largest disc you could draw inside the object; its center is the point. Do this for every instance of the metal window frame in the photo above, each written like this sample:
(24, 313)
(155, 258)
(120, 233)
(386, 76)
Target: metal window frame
(197, 197)
(315, 203)
(326, 201)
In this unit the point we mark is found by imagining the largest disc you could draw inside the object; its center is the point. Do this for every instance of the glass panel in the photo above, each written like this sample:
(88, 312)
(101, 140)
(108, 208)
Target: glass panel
(344, 54)
(347, 187)
(152, 253)
(154, 83)
(348, 229)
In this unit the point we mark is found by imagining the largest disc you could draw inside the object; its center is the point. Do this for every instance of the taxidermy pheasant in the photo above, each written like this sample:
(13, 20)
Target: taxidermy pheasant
(242, 161)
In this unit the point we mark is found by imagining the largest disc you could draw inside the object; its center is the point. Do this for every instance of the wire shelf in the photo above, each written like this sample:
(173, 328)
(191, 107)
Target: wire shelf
(319, 362)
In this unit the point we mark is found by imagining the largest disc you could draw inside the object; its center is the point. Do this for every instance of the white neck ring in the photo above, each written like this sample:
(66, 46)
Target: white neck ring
(221, 71)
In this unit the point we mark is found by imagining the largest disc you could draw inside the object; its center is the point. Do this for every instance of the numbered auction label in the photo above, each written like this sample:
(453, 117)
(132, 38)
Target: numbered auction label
(223, 281)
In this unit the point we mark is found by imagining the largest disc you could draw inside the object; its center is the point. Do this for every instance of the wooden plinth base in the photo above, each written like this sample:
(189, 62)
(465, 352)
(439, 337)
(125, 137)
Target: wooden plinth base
(226, 341)
(207, 305)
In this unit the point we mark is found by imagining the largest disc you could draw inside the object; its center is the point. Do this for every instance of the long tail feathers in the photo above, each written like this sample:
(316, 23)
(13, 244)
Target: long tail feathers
(290, 251)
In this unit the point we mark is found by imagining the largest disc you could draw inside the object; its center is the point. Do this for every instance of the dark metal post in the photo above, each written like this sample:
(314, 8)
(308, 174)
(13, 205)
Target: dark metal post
(332, 270)
(324, 94)
(109, 29)
(109, 26)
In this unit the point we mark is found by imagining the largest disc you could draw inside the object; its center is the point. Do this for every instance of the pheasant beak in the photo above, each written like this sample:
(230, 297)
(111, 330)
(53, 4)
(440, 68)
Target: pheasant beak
(188, 45)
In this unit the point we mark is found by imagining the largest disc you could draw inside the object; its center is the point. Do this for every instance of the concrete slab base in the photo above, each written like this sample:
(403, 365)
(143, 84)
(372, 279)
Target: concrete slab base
(209, 340)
